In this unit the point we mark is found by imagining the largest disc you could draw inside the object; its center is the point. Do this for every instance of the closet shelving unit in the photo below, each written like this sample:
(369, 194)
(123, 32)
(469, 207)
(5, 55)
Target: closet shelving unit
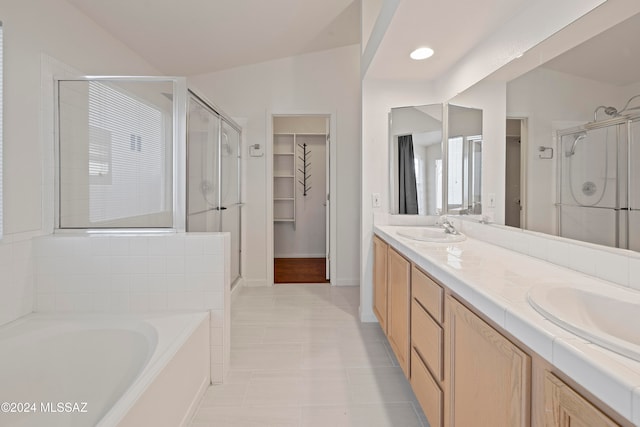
(285, 167)
(284, 177)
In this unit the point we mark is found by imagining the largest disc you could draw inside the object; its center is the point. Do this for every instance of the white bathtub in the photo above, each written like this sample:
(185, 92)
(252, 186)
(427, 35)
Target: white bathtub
(105, 370)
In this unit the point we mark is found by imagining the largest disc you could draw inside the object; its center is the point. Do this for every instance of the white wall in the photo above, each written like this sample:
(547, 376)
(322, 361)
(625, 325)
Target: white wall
(522, 32)
(33, 28)
(552, 100)
(319, 83)
(378, 97)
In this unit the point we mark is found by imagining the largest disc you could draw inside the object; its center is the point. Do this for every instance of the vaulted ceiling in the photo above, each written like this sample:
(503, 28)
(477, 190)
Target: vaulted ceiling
(190, 37)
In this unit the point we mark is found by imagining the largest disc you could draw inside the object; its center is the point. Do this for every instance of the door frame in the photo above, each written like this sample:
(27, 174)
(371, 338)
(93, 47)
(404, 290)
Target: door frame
(332, 174)
(524, 158)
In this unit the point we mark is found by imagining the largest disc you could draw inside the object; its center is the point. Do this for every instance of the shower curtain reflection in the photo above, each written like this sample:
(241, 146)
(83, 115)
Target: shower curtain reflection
(408, 193)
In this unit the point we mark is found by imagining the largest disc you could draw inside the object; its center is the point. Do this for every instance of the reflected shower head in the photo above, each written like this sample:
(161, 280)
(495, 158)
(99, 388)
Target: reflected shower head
(576, 138)
(609, 111)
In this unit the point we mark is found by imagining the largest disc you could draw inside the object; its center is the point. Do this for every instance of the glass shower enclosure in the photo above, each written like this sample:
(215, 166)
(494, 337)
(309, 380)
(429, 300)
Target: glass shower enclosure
(598, 188)
(145, 153)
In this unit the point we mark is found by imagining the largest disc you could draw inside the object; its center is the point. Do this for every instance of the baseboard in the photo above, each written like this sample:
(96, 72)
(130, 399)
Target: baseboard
(235, 290)
(346, 282)
(195, 404)
(256, 283)
(299, 255)
(368, 316)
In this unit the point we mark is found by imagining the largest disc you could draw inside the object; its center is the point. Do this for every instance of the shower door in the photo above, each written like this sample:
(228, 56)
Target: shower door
(230, 191)
(634, 185)
(203, 128)
(213, 182)
(592, 185)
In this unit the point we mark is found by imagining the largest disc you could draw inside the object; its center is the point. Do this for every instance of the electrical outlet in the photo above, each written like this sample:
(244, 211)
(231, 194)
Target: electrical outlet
(492, 200)
(375, 200)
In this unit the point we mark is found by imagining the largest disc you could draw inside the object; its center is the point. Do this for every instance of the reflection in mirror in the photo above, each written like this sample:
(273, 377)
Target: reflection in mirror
(464, 160)
(415, 146)
(582, 114)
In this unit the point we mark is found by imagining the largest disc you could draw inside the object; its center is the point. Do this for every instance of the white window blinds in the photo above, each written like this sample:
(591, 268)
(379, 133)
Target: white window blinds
(115, 154)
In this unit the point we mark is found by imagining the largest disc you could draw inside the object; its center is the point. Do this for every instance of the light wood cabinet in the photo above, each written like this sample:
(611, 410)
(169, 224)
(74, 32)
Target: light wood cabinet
(427, 344)
(566, 408)
(427, 390)
(380, 289)
(399, 283)
(487, 378)
(464, 371)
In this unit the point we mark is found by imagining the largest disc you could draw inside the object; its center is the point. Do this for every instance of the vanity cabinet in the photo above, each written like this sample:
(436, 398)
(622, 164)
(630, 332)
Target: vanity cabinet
(463, 370)
(563, 407)
(399, 291)
(427, 344)
(488, 378)
(380, 288)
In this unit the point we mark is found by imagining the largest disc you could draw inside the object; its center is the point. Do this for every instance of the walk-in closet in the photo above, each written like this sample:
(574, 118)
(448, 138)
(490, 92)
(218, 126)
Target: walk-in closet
(300, 196)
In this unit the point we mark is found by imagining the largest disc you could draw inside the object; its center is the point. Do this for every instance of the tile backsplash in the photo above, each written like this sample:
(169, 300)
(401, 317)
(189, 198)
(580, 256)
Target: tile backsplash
(620, 266)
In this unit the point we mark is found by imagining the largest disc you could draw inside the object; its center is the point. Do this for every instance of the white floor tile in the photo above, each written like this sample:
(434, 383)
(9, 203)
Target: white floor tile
(300, 357)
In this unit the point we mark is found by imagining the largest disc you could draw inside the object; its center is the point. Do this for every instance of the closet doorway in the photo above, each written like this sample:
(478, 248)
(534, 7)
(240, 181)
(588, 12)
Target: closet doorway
(301, 210)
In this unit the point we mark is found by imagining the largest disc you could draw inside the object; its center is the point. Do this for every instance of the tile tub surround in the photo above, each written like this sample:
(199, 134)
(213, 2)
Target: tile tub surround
(495, 280)
(16, 276)
(300, 357)
(127, 273)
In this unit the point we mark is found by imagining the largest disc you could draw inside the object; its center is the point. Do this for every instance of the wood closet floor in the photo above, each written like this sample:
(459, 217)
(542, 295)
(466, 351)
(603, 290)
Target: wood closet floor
(299, 270)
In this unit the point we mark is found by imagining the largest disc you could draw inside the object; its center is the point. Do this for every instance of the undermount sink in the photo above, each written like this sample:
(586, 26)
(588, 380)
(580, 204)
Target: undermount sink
(603, 314)
(430, 234)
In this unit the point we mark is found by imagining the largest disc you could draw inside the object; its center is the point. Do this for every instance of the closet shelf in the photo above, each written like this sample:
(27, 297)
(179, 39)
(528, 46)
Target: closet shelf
(284, 174)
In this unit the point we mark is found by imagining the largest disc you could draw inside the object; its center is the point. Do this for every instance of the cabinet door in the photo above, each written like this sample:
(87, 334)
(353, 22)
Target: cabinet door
(380, 281)
(399, 298)
(487, 378)
(566, 408)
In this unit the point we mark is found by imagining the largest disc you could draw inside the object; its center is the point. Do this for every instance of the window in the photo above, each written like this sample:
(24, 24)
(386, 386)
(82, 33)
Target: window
(455, 171)
(115, 154)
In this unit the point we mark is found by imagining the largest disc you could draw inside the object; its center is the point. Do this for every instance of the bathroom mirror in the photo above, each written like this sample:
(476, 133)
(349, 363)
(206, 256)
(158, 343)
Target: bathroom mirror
(464, 160)
(574, 181)
(415, 155)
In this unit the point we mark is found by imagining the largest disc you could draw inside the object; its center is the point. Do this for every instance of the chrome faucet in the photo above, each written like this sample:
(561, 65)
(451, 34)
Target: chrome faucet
(448, 227)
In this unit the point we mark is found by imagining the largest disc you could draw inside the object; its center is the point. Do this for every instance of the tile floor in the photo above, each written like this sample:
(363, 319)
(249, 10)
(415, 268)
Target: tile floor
(301, 358)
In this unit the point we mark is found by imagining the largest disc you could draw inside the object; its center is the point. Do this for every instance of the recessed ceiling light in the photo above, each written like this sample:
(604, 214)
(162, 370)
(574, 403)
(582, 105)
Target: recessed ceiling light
(421, 53)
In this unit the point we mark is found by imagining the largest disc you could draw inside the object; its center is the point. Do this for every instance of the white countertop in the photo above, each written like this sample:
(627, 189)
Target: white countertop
(496, 281)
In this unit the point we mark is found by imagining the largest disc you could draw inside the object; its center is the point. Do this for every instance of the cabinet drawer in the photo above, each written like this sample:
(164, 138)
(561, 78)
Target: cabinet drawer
(427, 391)
(428, 293)
(427, 339)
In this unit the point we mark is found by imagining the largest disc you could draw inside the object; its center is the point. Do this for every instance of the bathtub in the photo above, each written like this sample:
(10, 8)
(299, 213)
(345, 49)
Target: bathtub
(103, 370)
